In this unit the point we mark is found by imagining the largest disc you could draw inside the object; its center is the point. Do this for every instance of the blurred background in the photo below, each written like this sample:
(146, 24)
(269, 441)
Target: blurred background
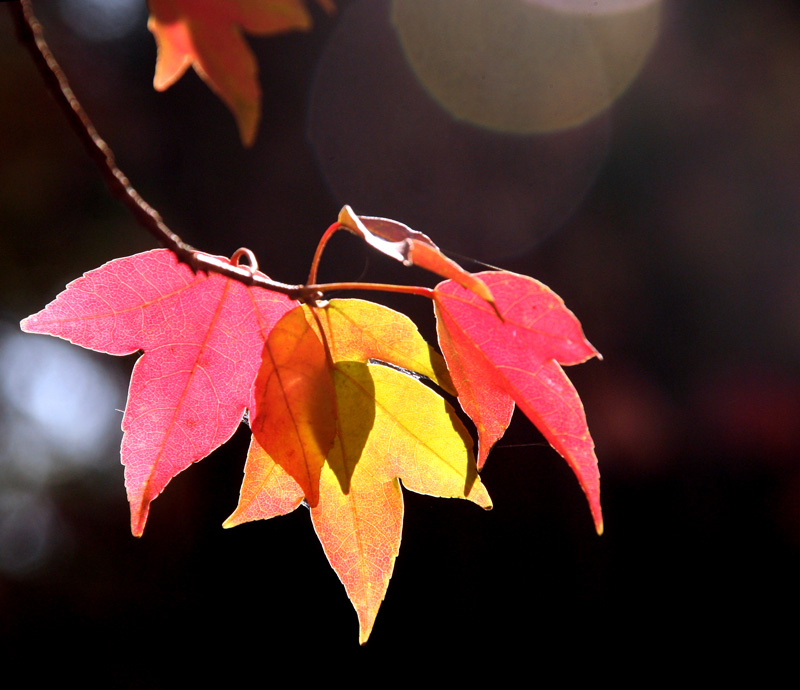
(640, 157)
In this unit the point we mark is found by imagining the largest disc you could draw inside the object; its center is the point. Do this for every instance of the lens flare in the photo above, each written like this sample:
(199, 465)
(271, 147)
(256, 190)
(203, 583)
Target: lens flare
(386, 148)
(522, 65)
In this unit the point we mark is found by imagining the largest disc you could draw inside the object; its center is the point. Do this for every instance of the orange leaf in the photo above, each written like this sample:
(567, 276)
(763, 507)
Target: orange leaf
(267, 490)
(295, 403)
(496, 363)
(207, 34)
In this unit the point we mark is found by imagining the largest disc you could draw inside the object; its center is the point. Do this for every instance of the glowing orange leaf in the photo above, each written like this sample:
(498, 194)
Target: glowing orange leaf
(207, 34)
(295, 415)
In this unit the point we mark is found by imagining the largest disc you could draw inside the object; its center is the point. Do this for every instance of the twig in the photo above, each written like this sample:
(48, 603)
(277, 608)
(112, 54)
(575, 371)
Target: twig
(30, 34)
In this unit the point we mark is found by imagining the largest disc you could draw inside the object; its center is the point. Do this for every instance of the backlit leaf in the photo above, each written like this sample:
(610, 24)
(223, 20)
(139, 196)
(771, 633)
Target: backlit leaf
(295, 415)
(496, 363)
(202, 337)
(207, 35)
(389, 426)
(360, 331)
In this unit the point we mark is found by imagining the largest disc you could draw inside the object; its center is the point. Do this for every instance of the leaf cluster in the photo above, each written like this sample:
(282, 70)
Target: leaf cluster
(345, 399)
(333, 427)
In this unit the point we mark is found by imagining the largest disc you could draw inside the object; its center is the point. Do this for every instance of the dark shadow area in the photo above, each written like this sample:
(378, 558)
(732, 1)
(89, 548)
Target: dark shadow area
(355, 397)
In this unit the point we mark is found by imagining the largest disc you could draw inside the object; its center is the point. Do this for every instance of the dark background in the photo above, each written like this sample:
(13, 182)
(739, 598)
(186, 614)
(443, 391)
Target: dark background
(669, 224)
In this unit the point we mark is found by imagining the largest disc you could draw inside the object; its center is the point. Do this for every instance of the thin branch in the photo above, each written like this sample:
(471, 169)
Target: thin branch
(30, 34)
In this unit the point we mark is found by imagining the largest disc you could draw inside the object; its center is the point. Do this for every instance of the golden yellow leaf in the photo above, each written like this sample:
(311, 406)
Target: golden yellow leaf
(390, 427)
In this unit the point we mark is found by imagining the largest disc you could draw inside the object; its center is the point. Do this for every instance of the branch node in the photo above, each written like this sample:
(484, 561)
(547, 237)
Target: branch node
(252, 262)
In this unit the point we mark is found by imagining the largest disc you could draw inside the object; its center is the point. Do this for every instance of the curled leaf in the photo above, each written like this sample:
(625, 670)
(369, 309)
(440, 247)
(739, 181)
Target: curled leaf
(410, 247)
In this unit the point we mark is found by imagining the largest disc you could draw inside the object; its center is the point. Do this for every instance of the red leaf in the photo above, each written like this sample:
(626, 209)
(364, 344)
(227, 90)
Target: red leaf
(202, 337)
(495, 363)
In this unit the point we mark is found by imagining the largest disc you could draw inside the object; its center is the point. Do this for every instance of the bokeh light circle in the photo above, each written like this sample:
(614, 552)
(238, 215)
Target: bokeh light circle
(103, 20)
(526, 65)
(386, 148)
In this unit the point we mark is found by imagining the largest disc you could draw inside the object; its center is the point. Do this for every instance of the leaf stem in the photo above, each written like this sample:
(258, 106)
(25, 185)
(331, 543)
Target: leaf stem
(312, 274)
(378, 287)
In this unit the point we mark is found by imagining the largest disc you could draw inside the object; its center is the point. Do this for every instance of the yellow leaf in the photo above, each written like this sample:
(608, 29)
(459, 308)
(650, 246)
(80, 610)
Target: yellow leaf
(409, 433)
(415, 436)
(357, 330)
(376, 425)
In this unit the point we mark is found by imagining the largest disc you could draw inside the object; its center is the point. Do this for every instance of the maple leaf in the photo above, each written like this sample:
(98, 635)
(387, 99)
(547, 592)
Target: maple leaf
(208, 36)
(295, 413)
(202, 337)
(388, 426)
(296, 407)
(496, 363)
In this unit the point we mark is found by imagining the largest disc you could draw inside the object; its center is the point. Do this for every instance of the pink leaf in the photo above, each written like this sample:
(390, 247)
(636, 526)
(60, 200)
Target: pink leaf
(202, 337)
(495, 363)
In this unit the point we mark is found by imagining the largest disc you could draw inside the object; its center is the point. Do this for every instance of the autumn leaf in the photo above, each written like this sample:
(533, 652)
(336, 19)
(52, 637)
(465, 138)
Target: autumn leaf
(207, 34)
(361, 331)
(295, 403)
(411, 248)
(496, 363)
(295, 413)
(202, 337)
(389, 426)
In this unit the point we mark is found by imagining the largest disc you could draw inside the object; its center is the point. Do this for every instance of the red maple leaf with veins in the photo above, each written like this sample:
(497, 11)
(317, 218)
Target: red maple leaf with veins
(202, 336)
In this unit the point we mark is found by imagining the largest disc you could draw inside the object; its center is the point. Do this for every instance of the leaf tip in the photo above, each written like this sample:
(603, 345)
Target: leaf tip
(365, 629)
(248, 129)
(597, 516)
(35, 323)
(350, 221)
(494, 306)
(482, 499)
(139, 517)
